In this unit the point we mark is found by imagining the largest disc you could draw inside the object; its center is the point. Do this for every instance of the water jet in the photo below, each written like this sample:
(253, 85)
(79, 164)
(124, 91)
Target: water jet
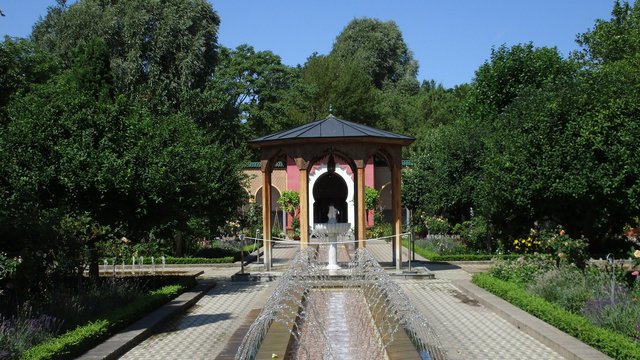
(359, 313)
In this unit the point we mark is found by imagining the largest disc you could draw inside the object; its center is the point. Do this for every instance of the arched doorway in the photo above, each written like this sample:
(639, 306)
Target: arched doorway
(279, 222)
(330, 189)
(324, 188)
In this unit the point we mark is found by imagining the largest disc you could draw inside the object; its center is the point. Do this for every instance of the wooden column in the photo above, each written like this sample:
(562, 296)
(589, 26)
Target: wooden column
(361, 218)
(266, 212)
(396, 203)
(304, 208)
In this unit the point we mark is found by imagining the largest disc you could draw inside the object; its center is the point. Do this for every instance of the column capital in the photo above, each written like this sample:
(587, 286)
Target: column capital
(265, 166)
(301, 163)
(360, 163)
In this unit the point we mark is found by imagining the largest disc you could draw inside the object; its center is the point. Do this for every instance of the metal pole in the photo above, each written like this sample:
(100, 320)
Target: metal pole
(254, 242)
(241, 253)
(611, 261)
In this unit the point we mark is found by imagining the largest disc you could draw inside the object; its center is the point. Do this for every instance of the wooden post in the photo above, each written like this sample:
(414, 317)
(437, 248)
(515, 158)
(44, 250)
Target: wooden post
(266, 212)
(361, 211)
(304, 208)
(396, 202)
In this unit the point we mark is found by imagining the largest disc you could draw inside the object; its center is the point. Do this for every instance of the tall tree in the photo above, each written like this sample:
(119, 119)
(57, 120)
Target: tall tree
(257, 85)
(74, 153)
(614, 39)
(21, 65)
(158, 50)
(380, 47)
(340, 87)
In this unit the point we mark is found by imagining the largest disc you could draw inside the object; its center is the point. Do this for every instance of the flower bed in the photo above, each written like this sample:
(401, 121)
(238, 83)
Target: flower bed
(75, 342)
(609, 342)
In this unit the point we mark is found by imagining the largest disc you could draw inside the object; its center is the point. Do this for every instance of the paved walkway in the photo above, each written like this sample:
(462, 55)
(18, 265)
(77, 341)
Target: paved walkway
(467, 329)
(205, 329)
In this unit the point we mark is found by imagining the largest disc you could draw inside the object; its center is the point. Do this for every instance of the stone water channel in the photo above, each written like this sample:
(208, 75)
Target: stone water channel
(356, 313)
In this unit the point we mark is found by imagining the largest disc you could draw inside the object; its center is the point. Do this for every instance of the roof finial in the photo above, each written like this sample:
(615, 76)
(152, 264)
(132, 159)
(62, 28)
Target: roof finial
(330, 110)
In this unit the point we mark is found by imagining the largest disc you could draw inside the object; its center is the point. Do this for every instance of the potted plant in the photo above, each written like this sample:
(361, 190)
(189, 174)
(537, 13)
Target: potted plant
(289, 202)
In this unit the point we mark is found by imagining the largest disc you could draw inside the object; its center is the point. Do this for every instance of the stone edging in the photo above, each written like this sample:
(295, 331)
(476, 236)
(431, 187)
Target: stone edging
(118, 344)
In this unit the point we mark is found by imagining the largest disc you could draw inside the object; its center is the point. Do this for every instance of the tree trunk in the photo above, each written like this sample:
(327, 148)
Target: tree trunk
(94, 267)
(179, 244)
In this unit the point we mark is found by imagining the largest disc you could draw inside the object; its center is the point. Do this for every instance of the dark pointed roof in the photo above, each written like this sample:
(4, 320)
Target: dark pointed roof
(331, 128)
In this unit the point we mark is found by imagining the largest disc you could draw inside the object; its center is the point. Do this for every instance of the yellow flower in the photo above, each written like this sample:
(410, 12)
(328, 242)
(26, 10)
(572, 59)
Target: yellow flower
(637, 253)
(561, 255)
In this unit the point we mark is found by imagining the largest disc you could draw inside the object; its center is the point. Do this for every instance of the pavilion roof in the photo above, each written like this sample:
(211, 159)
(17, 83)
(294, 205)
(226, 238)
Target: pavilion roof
(331, 128)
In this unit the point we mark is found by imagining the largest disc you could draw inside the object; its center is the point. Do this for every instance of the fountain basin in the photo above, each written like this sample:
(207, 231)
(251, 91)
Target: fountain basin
(331, 232)
(332, 229)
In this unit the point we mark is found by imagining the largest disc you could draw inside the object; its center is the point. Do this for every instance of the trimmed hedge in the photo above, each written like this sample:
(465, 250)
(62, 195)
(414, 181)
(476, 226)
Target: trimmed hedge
(434, 256)
(609, 342)
(198, 260)
(75, 342)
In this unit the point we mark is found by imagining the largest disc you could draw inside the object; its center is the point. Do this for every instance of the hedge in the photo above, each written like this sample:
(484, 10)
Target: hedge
(76, 342)
(609, 342)
(199, 260)
(434, 256)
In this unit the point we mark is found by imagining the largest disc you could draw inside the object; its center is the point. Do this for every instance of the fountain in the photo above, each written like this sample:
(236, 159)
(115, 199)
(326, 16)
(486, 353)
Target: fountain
(330, 231)
(314, 315)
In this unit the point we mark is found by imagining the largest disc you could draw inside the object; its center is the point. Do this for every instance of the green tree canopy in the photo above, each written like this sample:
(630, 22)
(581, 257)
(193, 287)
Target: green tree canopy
(158, 50)
(380, 47)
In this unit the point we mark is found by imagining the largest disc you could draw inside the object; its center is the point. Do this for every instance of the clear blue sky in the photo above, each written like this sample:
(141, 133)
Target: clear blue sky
(450, 39)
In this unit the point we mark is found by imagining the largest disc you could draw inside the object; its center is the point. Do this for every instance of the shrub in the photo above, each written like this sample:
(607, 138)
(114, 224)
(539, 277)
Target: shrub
(565, 248)
(442, 245)
(435, 224)
(566, 286)
(216, 252)
(621, 315)
(475, 232)
(434, 256)
(522, 270)
(194, 260)
(23, 331)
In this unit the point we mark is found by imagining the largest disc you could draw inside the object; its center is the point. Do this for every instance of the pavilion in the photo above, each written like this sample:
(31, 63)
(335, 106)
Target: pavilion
(328, 158)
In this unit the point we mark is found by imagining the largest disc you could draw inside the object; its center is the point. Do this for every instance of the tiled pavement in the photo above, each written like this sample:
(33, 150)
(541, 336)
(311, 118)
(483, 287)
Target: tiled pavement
(204, 330)
(466, 329)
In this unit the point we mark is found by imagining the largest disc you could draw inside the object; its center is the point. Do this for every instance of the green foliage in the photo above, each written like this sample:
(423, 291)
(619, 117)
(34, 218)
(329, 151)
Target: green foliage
(476, 233)
(198, 260)
(381, 48)
(22, 64)
(341, 87)
(289, 202)
(609, 342)
(615, 39)
(443, 245)
(523, 270)
(371, 198)
(258, 87)
(83, 338)
(567, 287)
(566, 249)
(158, 51)
(433, 255)
(435, 224)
